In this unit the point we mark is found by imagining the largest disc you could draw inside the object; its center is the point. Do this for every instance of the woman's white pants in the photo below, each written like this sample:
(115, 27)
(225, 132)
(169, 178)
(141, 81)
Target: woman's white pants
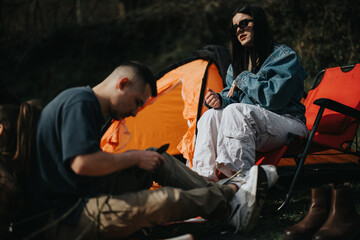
(227, 139)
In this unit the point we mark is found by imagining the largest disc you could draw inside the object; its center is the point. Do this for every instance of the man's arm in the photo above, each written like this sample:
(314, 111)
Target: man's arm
(102, 163)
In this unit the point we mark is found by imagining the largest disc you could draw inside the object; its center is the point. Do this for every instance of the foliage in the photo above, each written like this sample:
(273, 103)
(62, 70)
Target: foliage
(324, 33)
(52, 47)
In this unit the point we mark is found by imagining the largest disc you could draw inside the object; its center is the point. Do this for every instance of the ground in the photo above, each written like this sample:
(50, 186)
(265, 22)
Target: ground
(269, 227)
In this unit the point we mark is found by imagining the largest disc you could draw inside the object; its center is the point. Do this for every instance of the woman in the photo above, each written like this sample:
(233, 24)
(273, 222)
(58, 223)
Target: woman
(260, 104)
(17, 125)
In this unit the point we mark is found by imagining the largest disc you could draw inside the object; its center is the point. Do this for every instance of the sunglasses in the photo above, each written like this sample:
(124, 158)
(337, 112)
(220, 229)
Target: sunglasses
(242, 24)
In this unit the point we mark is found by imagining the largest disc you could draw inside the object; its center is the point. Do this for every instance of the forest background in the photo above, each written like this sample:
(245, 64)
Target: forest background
(47, 46)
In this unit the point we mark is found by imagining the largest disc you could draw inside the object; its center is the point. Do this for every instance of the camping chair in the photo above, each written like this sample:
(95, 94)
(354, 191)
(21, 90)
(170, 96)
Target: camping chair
(333, 116)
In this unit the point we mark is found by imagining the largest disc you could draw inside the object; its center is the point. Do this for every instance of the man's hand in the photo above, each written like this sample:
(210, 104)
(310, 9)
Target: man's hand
(147, 160)
(212, 99)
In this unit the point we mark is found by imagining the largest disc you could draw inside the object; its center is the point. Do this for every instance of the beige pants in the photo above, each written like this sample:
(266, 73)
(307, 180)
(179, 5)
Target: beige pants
(123, 214)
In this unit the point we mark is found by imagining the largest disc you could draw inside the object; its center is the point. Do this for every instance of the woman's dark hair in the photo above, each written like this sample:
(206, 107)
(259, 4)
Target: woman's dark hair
(19, 123)
(263, 42)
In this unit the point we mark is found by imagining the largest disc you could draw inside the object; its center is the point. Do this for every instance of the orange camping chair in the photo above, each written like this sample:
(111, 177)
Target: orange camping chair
(333, 116)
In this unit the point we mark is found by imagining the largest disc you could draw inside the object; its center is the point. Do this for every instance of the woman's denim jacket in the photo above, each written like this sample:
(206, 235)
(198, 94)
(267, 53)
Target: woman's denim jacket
(278, 86)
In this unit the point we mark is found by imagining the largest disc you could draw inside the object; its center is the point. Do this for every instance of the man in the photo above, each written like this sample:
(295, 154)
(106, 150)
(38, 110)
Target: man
(98, 194)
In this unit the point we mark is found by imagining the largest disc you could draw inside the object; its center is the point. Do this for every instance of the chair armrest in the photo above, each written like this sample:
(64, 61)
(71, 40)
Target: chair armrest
(338, 107)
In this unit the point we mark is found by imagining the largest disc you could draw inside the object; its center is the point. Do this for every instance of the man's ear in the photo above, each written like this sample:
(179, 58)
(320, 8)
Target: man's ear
(123, 82)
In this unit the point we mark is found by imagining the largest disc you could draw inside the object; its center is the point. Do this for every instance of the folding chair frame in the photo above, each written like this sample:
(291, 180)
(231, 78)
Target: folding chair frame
(324, 103)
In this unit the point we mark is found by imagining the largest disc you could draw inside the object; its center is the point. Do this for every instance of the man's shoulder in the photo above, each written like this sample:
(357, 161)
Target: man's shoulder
(73, 96)
(69, 98)
(77, 93)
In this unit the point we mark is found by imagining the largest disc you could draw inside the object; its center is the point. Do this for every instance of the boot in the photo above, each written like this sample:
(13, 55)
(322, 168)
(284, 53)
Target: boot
(315, 218)
(343, 221)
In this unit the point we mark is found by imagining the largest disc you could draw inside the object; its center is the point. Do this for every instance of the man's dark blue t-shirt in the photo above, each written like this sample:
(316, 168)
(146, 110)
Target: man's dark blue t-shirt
(69, 126)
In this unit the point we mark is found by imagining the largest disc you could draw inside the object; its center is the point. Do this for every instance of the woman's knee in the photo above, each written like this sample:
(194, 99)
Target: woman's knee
(240, 107)
(211, 116)
(212, 113)
(235, 111)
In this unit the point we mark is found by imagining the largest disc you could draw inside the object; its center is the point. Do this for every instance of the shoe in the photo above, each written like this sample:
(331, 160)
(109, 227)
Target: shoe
(315, 217)
(343, 221)
(248, 200)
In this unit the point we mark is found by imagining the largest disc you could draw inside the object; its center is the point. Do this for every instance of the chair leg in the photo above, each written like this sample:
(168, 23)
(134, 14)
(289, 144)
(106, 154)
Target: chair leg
(303, 157)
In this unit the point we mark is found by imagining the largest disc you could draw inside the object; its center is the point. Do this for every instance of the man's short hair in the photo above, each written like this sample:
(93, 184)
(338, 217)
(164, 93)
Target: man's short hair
(144, 73)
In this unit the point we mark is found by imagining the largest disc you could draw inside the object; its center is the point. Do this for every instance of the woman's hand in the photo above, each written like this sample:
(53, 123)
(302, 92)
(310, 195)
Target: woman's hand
(231, 91)
(212, 99)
